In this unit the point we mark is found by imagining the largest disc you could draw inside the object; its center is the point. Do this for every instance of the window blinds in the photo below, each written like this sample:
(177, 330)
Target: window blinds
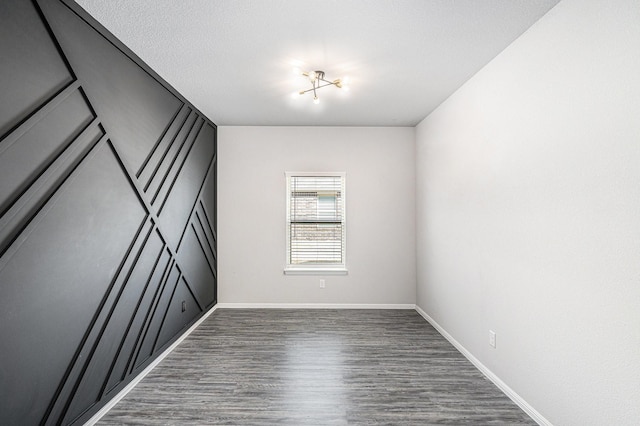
(316, 220)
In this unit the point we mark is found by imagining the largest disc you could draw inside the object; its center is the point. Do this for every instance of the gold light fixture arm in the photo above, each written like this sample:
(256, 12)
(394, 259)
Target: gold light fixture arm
(329, 83)
(316, 78)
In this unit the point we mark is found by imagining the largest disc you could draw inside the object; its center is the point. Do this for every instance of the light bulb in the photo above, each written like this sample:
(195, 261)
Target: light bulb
(345, 83)
(316, 100)
(312, 75)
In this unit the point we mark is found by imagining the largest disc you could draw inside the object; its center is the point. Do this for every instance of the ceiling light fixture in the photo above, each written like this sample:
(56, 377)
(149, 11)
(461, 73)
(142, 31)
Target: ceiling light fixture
(318, 82)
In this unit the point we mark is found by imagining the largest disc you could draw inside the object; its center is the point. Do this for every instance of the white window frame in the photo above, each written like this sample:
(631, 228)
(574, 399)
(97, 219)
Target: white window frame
(329, 269)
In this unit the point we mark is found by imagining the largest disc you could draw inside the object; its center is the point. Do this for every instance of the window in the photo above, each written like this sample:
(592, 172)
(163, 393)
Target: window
(315, 223)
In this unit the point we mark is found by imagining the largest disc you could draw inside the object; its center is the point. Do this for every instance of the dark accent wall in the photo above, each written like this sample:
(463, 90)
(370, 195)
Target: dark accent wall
(107, 214)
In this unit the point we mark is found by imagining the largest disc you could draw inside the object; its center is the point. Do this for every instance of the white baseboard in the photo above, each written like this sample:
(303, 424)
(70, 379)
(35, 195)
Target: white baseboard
(532, 412)
(314, 306)
(93, 420)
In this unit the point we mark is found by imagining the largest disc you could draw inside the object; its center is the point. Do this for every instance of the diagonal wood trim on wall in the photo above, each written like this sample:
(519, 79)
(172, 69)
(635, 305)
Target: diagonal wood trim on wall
(107, 214)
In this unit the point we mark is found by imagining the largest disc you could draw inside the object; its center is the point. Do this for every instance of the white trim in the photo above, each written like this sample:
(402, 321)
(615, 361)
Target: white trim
(312, 271)
(532, 412)
(314, 306)
(109, 405)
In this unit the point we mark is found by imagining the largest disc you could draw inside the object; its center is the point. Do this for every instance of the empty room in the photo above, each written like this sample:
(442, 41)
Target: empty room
(243, 212)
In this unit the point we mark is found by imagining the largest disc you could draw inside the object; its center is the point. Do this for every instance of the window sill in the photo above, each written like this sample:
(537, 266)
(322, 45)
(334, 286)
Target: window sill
(316, 271)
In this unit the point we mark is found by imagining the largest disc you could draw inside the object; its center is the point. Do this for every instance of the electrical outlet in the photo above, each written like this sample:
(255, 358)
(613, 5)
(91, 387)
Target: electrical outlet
(492, 338)
(321, 283)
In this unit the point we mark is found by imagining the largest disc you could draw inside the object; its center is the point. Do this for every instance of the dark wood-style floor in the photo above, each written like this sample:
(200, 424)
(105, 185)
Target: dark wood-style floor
(315, 367)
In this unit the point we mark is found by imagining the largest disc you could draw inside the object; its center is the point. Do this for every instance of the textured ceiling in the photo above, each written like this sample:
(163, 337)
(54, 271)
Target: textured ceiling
(233, 59)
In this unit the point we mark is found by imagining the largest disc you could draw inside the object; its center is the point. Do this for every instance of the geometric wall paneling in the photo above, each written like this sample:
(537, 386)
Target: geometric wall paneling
(85, 383)
(203, 230)
(134, 108)
(165, 171)
(177, 208)
(30, 173)
(31, 70)
(104, 169)
(198, 259)
(152, 328)
(26, 155)
(160, 155)
(56, 279)
(208, 197)
(123, 362)
(180, 311)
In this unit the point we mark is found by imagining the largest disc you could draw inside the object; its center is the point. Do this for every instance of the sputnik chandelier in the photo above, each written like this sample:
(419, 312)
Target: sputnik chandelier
(318, 82)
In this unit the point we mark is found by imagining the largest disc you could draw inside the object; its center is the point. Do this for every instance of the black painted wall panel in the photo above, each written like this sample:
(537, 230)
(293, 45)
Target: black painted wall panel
(181, 309)
(161, 184)
(197, 267)
(157, 316)
(98, 366)
(124, 361)
(88, 351)
(208, 198)
(161, 155)
(31, 70)
(190, 179)
(206, 237)
(93, 146)
(134, 108)
(22, 210)
(26, 158)
(54, 282)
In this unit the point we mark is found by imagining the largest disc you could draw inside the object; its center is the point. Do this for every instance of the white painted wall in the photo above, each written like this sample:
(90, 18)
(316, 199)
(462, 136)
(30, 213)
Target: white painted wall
(380, 176)
(528, 214)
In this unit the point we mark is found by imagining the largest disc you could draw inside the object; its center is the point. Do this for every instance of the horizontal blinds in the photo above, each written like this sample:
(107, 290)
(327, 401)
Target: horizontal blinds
(316, 229)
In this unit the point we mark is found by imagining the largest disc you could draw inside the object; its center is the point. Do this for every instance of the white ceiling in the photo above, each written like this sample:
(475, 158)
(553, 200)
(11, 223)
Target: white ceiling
(233, 59)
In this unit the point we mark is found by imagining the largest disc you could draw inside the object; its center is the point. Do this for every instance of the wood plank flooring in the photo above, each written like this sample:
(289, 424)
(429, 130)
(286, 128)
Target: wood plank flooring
(315, 367)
